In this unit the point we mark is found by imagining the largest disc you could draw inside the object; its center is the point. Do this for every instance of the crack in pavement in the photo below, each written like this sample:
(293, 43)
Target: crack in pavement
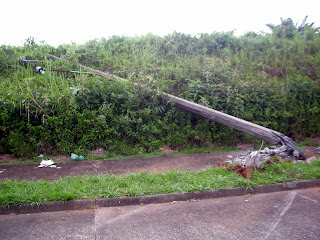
(285, 207)
(310, 199)
(95, 224)
(103, 218)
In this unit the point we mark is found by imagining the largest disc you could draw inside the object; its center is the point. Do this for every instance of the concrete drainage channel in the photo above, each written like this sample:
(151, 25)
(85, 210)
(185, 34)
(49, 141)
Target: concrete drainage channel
(152, 199)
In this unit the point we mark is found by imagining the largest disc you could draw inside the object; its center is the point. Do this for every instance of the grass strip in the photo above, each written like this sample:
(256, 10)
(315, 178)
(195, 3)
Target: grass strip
(177, 181)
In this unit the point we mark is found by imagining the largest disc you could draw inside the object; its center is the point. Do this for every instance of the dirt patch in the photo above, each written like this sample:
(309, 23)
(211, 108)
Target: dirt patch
(315, 139)
(116, 166)
(166, 149)
(296, 175)
(61, 158)
(7, 158)
(310, 151)
(243, 172)
(98, 151)
(244, 146)
(123, 166)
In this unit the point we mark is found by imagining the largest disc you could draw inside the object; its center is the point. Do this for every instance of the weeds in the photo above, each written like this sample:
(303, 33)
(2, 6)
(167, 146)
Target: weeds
(109, 186)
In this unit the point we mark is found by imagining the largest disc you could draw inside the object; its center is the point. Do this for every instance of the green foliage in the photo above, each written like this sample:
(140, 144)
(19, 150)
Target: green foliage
(287, 29)
(270, 79)
(286, 172)
(308, 142)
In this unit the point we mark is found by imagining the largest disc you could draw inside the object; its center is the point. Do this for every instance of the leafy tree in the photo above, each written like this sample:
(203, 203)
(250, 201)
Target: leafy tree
(287, 28)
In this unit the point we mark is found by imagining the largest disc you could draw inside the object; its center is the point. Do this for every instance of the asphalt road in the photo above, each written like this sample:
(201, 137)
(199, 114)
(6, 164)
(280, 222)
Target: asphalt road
(281, 215)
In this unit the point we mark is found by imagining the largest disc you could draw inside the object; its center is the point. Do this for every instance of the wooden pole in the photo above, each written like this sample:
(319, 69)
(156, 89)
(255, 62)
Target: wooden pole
(226, 119)
(241, 125)
(31, 61)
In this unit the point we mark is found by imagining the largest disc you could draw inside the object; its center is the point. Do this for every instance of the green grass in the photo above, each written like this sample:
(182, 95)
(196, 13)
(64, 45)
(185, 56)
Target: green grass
(177, 181)
(286, 172)
(308, 142)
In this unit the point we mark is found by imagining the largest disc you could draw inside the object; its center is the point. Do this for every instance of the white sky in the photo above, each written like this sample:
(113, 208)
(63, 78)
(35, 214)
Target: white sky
(57, 22)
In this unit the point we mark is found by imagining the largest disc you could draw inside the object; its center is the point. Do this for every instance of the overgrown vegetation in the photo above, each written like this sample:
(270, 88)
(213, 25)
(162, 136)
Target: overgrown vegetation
(108, 186)
(269, 79)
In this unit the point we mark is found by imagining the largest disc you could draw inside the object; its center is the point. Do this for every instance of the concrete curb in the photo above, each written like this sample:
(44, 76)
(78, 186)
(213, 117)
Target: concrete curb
(163, 198)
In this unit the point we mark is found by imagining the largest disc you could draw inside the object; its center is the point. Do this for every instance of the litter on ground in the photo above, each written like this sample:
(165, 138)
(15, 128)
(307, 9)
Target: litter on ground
(48, 163)
(76, 157)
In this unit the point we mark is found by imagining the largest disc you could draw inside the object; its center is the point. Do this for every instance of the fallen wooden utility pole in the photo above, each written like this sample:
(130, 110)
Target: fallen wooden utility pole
(241, 125)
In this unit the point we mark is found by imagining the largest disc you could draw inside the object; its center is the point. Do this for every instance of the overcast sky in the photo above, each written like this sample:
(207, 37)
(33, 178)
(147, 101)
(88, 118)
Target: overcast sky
(57, 22)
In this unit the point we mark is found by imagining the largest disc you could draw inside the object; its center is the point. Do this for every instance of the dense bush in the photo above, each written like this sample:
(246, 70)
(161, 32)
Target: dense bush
(270, 79)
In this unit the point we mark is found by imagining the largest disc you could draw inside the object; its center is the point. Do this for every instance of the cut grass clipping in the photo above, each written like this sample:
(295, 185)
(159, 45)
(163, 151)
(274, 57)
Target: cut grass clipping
(109, 186)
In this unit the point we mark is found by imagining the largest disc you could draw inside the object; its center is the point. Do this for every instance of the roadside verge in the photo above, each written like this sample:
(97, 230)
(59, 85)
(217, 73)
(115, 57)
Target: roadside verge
(152, 199)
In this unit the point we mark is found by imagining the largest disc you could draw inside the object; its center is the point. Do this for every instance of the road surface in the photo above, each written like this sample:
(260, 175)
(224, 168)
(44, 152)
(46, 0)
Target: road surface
(280, 215)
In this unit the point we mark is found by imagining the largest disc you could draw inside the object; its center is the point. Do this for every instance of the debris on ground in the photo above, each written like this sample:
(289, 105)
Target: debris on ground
(255, 158)
(76, 157)
(48, 163)
(310, 160)
(166, 149)
(318, 150)
(98, 151)
(3, 170)
(244, 164)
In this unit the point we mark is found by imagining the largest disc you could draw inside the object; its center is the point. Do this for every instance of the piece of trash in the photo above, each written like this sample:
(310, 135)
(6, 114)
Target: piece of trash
(193, 200)
(40, 156)
(3, 170)
(48, 163)
(76, 157)
(39, 70)
(310, 160)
